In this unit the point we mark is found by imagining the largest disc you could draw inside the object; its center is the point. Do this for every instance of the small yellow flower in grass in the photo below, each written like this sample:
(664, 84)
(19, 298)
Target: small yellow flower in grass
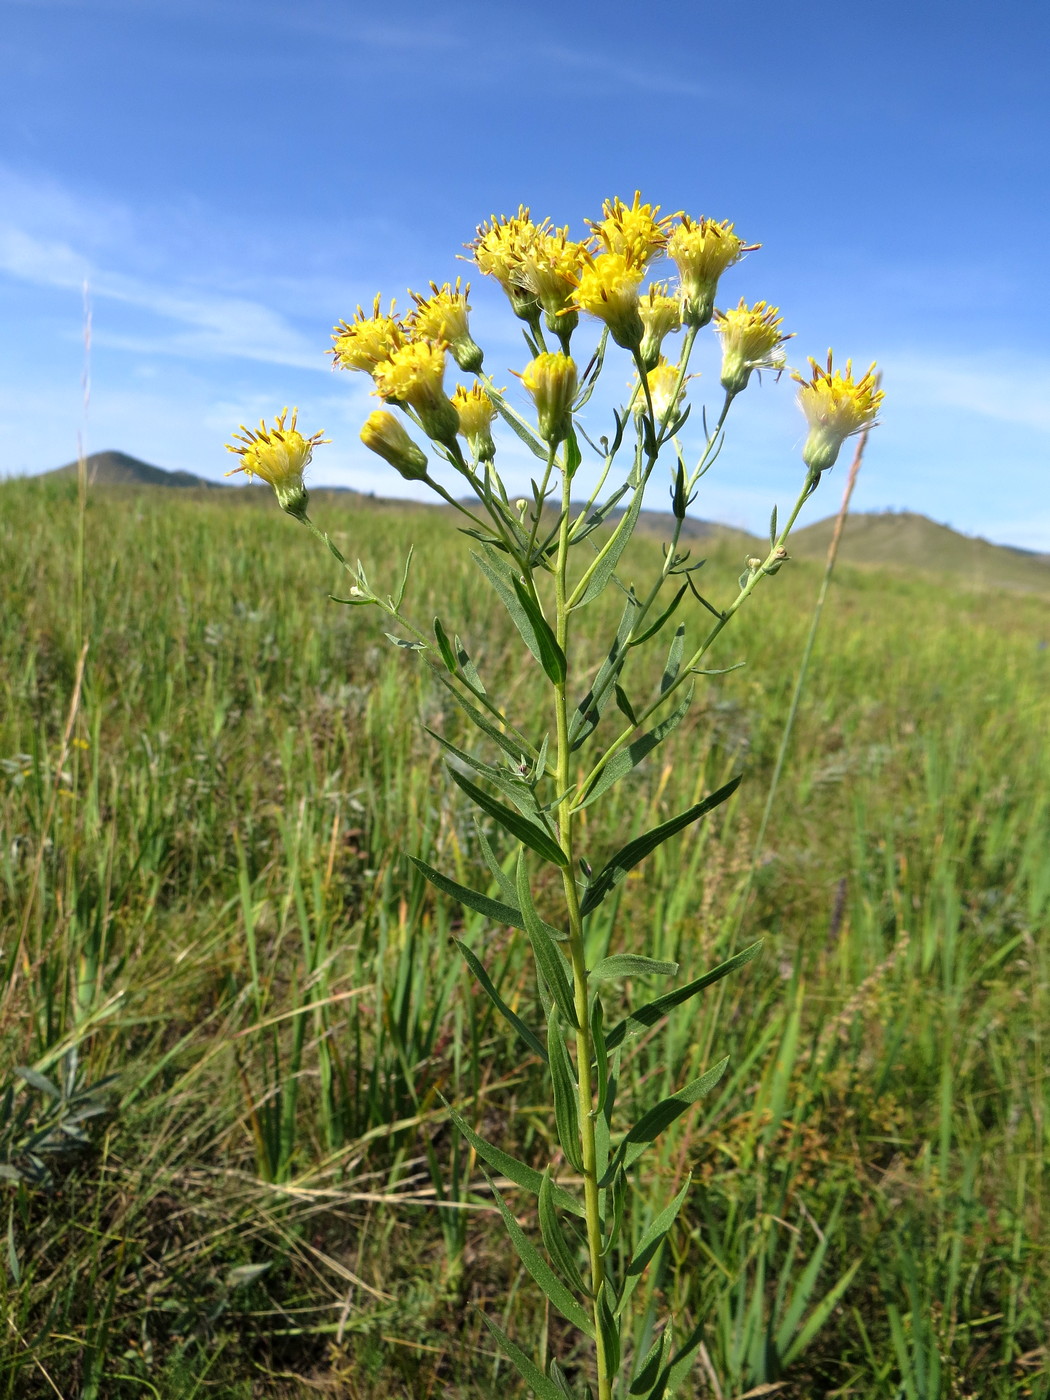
(702, 252)
(279, 455)
(662, 381)
(443, 316)
(476, 412)
(552, 381)
(632, 229)
(661, 314)
(385, 434)
(549, 267)
(498, 249)
(367, 341)
(836, 407)
(608, 288)
(751, 339)
(415, 375)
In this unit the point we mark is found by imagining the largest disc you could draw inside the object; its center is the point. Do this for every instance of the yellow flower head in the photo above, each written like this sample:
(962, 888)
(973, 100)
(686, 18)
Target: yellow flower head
(608, 288)
(632, 230)
(552, 381)
(549, 267)
(661, 314)
(443, 316)
(386, 435)
(279, 455)
(414, 375)
(835, 409)
(662, 381)
(367, 341)
(498, 249)
(702, 252)
(751, 339)
(476, 412)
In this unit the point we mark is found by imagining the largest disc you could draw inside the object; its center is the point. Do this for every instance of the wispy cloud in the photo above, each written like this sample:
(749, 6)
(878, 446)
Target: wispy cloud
(976, 385)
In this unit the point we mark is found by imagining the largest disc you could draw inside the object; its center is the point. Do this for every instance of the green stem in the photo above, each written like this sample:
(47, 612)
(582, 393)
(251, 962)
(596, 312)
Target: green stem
(584, 1047)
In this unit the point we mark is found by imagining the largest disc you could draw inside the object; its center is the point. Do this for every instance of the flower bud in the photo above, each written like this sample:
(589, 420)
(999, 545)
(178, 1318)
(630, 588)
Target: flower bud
(835, 409)
(443, 317)
(279, 455)
(751, 339)
(415, 374)
(662, 381)
(608, 288)
(386, 435)
(476, 412)
(551, 380)
(702, 252)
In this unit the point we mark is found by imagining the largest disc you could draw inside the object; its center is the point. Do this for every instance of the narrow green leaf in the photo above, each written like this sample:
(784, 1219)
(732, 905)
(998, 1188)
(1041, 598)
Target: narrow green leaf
(566, 1111)
(664, 617)
(661, 1116)
(503, 580)
(623, 703)
(488, 987)
(682, 1362)
(610, 1329)
(549, 958)
(525, 831)
(630, 855)
(541, 1271)
(448, 656)
(773, 528)
(601, 1058)
(649, 1243)
(590, 709)
(493, 909)
(630, 965)
(562, 1253)
(544, 1388)
(405, 645)
(621, 763)
(595, 580)
(496, 870)
(524, 1176)
(645, 1016)
(38, 1081)
(512, 744)
(674, 659)
(551, 657)
(467, 667)
(517, 789)
(645, 1377)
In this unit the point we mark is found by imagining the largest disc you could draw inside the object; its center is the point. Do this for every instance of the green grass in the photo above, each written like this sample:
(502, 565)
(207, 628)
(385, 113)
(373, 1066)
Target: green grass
(209, 901)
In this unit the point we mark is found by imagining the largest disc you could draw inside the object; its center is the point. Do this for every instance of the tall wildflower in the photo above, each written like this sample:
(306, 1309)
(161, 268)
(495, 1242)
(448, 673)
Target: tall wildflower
(443, 316)
(836, 406)
(632, 230)
(498, 249)
(414, 375)
(702, 251)
(751, 339)
(367, 341)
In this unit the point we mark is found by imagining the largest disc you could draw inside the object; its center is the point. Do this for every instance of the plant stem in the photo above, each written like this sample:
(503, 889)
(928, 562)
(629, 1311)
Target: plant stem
(577, 954)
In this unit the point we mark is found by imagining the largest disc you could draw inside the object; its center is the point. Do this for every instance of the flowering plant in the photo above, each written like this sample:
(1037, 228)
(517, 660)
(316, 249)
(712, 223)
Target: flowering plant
(547, 559)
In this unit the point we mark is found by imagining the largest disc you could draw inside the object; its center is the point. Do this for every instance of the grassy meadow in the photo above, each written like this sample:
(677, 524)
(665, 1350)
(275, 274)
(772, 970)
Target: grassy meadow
(231, 1012)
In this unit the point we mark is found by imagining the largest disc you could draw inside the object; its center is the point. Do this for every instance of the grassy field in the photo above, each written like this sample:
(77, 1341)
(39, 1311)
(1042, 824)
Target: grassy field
(229, 1171)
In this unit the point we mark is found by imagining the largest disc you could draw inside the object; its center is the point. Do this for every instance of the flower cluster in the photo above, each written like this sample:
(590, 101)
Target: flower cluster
(551, 280)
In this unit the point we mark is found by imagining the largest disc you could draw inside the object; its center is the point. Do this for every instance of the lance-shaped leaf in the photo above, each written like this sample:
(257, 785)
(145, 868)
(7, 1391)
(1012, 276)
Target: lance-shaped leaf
(525, 613)
(665, 616)
(493, 909)
(448, 656)
(610, 1329)
(561, 1251)
(549, 958)
(513, 743)
(676, 1370)
(630, 965)
(542, 1386)
(527, 832)
(645, 1016)
(630, 855)
(541, 1271)
(566, 1110)
(601, 570)
(621, 763)
(649, 1243)
(652, 1124)
(488, 987)
(644, 1383)
(674, 659)
(590, 709)
(522, 1175)
(509, 784)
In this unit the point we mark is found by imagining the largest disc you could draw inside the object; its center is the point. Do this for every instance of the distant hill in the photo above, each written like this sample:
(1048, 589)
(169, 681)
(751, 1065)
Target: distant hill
(903, 540)
(120, 469)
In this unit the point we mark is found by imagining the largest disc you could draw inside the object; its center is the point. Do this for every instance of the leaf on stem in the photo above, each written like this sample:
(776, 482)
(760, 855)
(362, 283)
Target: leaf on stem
(448, 656)
(544, 1388)
(511, 744)
(488, 987)
(649, 1244)
(602, 569)
(621, 763)
(562, 1252)
(549, 958)
(525, 831)
(635, 851)
(541, 1271)
(661, 1116)
(630, 965)
(528, 1178)
(566, 1111)
(525, 613)
(645, 1016)
(674, 660)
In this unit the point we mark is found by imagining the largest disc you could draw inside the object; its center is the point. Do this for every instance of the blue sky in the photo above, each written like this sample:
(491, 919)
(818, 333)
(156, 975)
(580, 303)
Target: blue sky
(231, 178)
